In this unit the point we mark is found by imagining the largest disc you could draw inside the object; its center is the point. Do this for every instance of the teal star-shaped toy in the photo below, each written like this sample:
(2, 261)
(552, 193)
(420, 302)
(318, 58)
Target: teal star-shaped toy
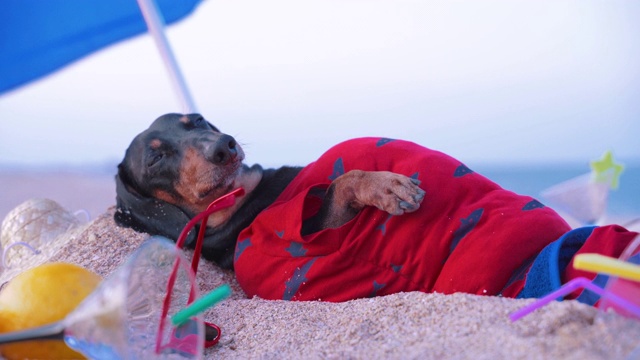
(606, 169)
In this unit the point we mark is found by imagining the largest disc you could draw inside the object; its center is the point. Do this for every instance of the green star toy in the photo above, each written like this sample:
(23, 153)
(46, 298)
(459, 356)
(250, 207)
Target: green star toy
(606, 169)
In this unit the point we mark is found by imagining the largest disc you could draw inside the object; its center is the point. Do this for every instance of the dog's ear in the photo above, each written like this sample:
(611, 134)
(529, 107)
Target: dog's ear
(146, 214)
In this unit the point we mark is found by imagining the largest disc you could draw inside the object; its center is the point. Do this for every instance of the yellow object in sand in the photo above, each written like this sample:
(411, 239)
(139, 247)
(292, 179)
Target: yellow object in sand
(40, 296)
(607, 265)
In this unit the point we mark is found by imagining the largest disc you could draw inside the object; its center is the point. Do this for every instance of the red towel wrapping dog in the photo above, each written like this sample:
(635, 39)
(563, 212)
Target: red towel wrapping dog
(469, 235)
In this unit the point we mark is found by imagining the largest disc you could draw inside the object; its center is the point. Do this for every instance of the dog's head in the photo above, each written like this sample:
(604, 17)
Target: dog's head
(172, 171)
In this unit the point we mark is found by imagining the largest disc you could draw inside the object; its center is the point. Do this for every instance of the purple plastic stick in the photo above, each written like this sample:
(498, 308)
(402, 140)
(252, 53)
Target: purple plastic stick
(571, 286)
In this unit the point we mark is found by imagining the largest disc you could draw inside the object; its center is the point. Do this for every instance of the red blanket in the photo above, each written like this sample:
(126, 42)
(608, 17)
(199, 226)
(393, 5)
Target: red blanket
(469, 235)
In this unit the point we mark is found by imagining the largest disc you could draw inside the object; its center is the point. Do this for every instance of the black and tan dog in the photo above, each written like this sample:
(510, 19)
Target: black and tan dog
(329, 230)
(181, 163)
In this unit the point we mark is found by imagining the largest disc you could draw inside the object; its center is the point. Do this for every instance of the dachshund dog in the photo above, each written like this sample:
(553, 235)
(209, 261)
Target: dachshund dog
(369, 217)
(173, 170)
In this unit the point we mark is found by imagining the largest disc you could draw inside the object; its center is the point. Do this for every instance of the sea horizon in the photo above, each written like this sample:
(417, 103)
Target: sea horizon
(525, 179)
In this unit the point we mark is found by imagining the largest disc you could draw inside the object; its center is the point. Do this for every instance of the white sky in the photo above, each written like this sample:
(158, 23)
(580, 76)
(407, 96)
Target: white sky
(485, 81)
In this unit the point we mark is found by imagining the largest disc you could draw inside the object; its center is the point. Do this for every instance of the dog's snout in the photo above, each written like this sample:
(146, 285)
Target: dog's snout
(224, 150)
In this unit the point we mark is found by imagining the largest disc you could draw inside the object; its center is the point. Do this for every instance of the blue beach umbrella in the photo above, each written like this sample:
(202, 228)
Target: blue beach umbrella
(38, 38)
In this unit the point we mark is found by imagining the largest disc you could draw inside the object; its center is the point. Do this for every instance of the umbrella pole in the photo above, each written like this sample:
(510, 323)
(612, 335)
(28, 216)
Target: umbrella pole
(155, 24)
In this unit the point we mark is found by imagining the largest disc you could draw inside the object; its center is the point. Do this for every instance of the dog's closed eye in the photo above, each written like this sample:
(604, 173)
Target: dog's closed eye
(154, 159)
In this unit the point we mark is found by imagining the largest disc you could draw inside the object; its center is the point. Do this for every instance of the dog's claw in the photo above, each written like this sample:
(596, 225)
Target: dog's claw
(407, 206)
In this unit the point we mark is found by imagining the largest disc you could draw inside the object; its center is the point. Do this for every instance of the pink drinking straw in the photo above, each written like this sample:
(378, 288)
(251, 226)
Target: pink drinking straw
(571, 286)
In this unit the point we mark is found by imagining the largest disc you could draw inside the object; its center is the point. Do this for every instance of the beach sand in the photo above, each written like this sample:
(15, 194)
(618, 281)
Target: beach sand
(400, 326)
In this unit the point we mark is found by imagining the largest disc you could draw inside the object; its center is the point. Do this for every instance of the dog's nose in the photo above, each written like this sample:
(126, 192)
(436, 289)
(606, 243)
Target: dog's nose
(224, 150)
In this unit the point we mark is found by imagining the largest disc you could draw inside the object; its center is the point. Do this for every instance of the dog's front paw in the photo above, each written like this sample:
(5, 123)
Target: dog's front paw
(394, 193)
